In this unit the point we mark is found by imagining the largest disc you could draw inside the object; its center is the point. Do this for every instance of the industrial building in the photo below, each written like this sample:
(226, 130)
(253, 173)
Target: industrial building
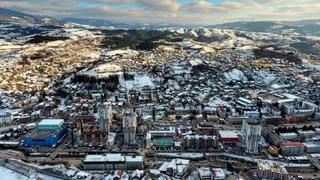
(129, 124)
(161, 139)
(49, 132)
(292, 148)
(113, 161)
(251, 131)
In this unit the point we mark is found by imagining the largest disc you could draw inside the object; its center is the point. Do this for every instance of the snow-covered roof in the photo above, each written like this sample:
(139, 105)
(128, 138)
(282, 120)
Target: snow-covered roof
(55, 122)
(228, 134)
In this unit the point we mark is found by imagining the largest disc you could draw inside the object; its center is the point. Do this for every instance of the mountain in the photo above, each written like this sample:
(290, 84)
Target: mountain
(305, 27)
(7, 15)
(122, 25)
(102, 23)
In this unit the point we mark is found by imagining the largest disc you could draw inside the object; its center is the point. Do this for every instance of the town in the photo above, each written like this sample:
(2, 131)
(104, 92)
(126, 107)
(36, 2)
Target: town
(234, 108)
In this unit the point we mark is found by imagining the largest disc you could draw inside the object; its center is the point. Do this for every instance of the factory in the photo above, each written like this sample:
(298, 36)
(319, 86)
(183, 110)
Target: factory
(112, 161)
(49, 132)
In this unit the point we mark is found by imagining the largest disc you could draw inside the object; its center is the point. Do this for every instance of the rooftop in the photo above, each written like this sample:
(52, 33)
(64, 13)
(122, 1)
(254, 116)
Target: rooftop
(55, 122)
(229, 134)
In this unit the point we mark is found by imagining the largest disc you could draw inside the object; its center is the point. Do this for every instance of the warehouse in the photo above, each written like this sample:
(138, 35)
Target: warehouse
(292, 148)
(112, 161)
(49, 132)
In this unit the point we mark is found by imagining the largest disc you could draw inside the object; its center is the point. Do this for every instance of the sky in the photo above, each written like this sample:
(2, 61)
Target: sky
(171, 11)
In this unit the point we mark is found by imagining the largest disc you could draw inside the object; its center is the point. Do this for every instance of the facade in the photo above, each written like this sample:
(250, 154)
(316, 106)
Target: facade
(311, 147)
(112, 161)
(251, 134)
(200, 141)
(47, 133)
(129, 124)
(269, 170)
(105, 117)
(205, 173)
(5, 118)
(229, 137)
(292, 148)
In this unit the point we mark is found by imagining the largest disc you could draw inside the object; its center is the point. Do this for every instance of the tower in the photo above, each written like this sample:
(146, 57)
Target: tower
(251, 131)
(105, 117)
(129, 125)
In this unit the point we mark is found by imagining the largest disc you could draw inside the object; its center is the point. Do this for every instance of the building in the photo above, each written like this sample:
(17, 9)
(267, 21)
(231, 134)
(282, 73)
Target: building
(289, 136)
(5, 118)
(176, 167)
(251, 134)
(196, 141)
(311, 147)
(205, 173)
(105, 117)
(229, 137)
(112, 162)
(269, 170)
(161, 139)
(49, 132)
(129, 125)
(292, 148)
(88, 132)
(218, 174)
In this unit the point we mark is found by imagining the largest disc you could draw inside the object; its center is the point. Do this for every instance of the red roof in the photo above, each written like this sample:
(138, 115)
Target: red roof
(292, 144)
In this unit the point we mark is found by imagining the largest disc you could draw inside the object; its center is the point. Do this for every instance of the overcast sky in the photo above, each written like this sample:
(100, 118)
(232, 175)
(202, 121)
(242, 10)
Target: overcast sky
(171, 11)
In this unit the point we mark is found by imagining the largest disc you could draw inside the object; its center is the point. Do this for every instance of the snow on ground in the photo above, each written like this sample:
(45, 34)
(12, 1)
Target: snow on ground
(139, 82)
(8, 174)
(216, 102)
(103, 70)
(235, 74)
(122, 52)
(263, 77)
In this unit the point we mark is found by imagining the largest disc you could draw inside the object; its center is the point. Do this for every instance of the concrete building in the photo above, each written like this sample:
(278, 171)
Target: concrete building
(311, 147)
(112, 162)
(176, 167)
(205, 173)
(269, 170)
(251, 134)
(292, 148)
(5, 118)
(200, 141)
(229, 137)
(129, 125)
(105, 117)
(289, 136)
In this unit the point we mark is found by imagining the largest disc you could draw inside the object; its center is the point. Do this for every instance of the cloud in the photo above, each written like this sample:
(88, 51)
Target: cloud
(171, 11)
(170, 5)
